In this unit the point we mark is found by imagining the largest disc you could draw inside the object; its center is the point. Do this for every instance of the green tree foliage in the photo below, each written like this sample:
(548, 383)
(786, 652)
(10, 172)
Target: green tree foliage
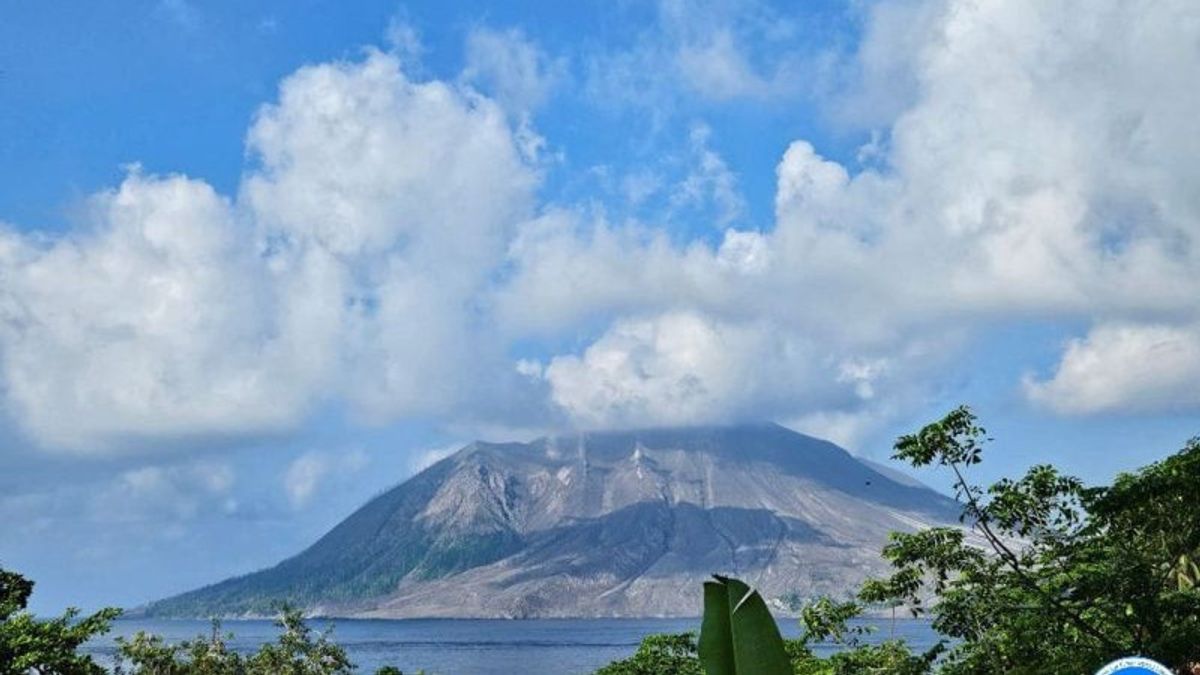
(146, 654)
(1055, 577)
(29, 645)
(827, 620)
(658, 654)
(744, 626)
(297, 651)
(677, 654)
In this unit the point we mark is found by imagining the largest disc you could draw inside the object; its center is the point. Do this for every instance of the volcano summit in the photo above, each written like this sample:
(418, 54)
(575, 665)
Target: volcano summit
(598, 524)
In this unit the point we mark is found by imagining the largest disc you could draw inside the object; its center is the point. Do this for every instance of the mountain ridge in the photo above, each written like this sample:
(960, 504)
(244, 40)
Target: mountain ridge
(611, 523)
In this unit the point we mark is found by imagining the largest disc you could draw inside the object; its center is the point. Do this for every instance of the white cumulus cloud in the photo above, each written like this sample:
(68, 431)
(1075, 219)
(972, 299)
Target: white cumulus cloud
(508, 65)
(155, 320)
(686, 368)
(374, 213)
(1037, 164)
(1033, 161)
(1125, 367)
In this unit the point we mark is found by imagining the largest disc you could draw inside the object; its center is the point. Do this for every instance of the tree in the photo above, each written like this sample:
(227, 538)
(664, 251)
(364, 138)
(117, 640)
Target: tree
(147, 654)
(1056, 576)
(739, 635)
(829, 620)
(299, 652)
(659, 654)
(44, 647)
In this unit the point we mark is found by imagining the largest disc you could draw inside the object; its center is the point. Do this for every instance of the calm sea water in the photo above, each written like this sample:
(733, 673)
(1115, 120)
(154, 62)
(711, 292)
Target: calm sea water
(477, 646)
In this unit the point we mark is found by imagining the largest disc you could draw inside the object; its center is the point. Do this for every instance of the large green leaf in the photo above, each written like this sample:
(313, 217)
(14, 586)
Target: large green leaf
(739, 636)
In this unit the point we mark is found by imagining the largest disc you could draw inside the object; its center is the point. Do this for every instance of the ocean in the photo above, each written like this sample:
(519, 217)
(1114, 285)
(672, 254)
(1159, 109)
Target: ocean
(476, 646)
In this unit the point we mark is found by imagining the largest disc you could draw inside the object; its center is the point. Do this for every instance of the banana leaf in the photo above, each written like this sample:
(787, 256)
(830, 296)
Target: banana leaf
(738, 635)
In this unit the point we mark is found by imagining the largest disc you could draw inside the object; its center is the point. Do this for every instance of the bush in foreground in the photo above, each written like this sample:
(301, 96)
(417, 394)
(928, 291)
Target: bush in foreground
(30, 645)
(51, 646)
(671, 653)
(679, 654)
(297, 651)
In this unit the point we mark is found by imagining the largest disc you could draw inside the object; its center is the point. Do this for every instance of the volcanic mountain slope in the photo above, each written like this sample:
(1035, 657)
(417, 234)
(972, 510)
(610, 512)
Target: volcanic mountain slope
(598, 524)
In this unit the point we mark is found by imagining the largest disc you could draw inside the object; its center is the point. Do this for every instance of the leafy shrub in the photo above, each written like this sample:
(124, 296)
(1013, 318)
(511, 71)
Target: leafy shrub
(297, 651)
(29, 645)
(659, 655)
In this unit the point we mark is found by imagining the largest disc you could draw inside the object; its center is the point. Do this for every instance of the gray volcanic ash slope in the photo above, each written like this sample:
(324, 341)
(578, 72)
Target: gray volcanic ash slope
(599, 524)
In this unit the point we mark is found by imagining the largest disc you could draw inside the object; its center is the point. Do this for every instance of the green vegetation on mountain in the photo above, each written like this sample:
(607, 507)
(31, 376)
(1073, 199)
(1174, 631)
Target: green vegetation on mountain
(365, 556)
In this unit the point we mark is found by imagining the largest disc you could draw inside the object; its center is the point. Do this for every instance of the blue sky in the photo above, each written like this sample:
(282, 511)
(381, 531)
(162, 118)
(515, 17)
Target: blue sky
(262, 260)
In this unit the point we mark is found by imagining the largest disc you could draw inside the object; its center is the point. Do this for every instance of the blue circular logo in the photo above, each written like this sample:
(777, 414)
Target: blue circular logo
(1134, 665)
